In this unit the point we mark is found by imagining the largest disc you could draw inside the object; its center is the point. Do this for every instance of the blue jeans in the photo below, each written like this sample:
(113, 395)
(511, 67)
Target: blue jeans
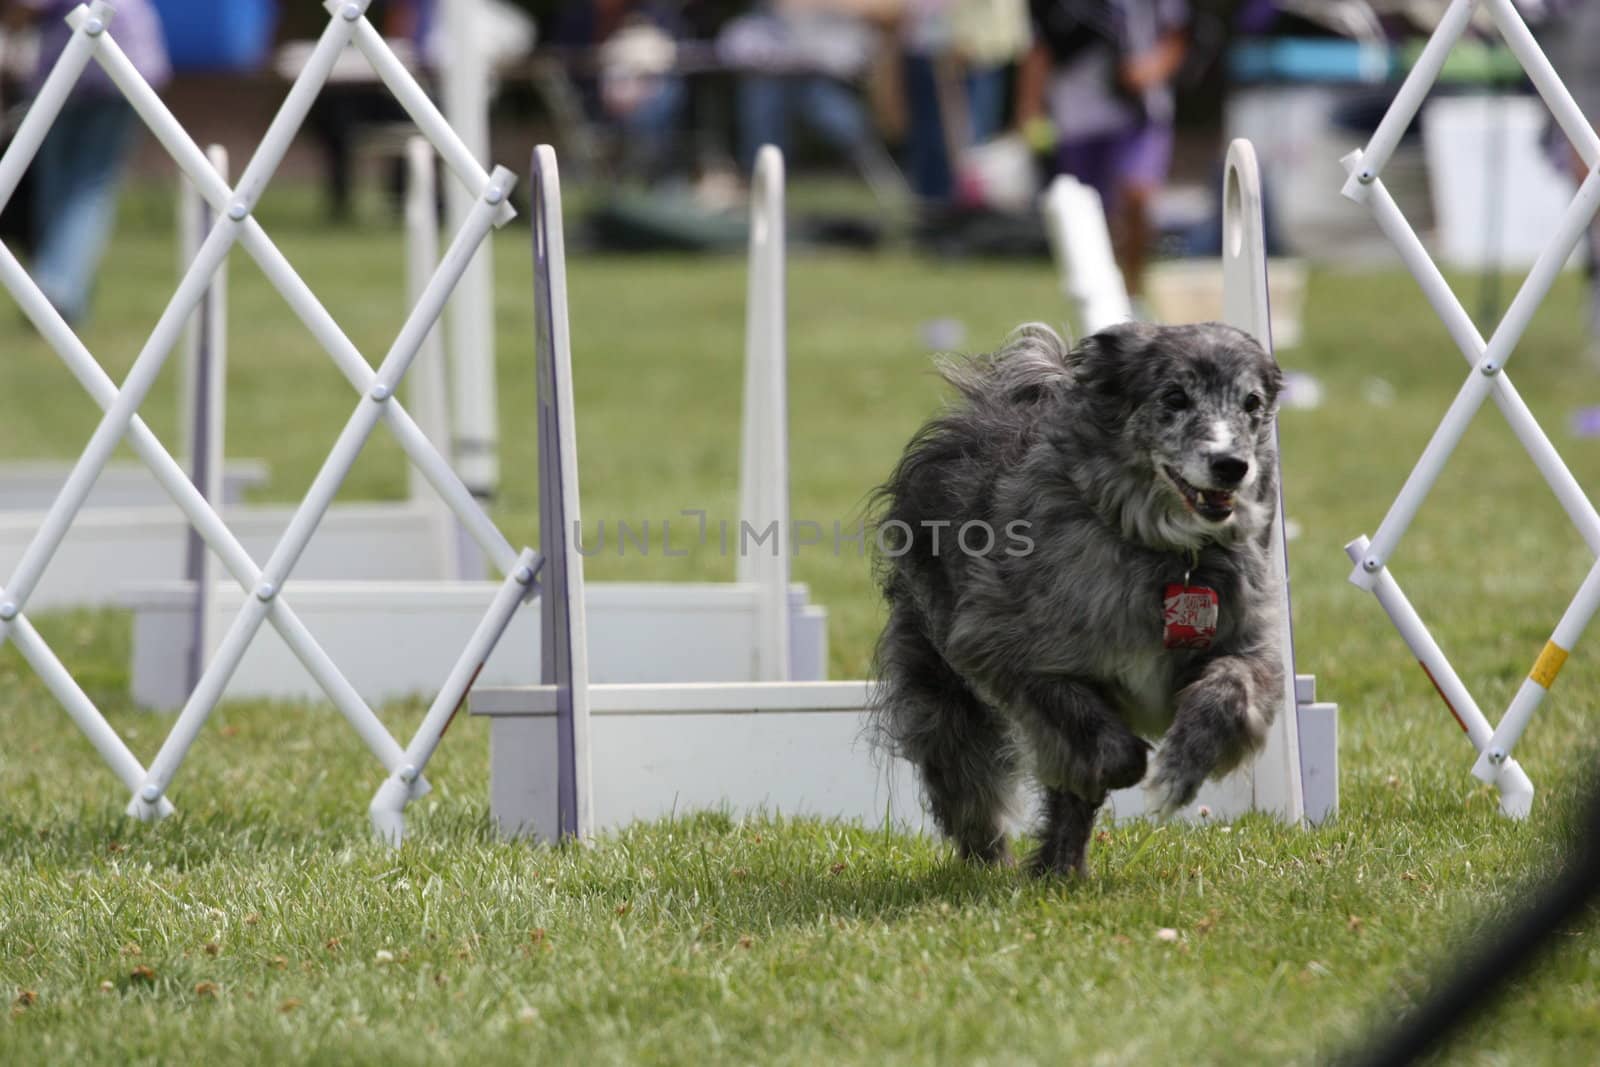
(651, 129)
(927, 157)
(77, 173)
(767, 102)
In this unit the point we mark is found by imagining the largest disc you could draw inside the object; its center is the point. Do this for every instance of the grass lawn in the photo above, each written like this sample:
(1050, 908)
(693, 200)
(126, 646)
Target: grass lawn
(261, 922)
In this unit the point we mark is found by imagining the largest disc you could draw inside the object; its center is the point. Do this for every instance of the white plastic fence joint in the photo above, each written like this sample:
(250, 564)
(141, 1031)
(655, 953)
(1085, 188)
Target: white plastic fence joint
(238, 211)
(1497, 756)
(266, 591)
(92, 19)
(350, 12)
(8, 611)
(1372, 564)
(150, 794)
(1490, 368)
(498, 191)
(380, 392)
(408, 773)
(524, 576)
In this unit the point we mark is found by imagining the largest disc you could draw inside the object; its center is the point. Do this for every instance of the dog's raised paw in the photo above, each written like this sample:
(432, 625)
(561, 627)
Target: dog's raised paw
(1172, 788)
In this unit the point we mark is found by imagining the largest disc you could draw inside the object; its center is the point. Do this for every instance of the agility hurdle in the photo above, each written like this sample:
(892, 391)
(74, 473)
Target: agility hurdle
(393, 638)
(1486, 380)
(571, 757)
(1296, 774)
(92, 41)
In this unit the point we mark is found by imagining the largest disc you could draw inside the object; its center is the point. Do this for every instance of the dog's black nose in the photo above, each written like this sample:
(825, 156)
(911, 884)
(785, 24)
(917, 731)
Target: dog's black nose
(1229, 470)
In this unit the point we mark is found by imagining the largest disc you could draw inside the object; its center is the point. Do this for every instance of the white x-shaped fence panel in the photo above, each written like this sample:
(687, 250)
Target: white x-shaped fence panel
(92, 41)
(1486, 380)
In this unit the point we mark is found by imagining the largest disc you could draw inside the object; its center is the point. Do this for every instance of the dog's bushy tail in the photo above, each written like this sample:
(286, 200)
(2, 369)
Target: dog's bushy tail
(946, 474)
(989, 423)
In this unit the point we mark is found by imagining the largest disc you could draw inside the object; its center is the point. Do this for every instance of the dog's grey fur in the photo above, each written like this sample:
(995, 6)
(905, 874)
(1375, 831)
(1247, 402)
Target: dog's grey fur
(1053, 660)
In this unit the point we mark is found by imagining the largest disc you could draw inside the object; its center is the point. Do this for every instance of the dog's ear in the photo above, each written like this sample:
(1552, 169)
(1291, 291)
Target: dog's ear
(1109, 364)
(1272, 378)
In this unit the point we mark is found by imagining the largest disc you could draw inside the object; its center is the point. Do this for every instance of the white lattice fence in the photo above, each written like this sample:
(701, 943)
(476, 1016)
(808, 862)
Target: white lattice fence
(1486, 381)
(93, 40)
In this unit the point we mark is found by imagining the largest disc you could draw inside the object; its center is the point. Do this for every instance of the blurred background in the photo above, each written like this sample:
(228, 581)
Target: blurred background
(932, 122)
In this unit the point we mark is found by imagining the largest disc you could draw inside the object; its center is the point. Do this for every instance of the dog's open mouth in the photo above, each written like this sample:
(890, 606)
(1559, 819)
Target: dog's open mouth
(1213, 504)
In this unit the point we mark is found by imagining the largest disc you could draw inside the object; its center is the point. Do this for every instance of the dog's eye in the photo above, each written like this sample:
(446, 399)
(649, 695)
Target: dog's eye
(1252, 403)
(1175, 400)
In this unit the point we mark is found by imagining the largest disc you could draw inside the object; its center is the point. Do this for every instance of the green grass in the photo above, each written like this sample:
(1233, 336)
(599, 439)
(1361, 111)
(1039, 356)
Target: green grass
(261, 923)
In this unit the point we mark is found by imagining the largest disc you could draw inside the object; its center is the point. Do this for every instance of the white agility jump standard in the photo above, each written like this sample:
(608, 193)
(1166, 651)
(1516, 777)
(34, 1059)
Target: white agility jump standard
(92, 41)
(572, 757)
(1486, 380)
(395, 638)
(1296, 775)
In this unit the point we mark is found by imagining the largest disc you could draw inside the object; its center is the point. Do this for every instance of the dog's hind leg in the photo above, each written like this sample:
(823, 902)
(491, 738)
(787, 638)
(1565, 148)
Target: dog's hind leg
(1083, 750)
(1064, 836)
(960, 746)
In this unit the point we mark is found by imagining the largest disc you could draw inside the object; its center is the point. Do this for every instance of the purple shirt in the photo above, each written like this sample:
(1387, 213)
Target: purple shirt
(135, 27)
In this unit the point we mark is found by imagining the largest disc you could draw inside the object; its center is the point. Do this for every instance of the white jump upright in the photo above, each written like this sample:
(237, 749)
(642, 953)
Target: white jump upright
(801, 747)
(1080, 243)
(764, 472)
(1296, 774)
(206, 387)
(1486, 380)
(377, 402)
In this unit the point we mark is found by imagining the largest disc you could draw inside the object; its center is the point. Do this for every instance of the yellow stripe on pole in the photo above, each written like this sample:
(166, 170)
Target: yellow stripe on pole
(1548, 665)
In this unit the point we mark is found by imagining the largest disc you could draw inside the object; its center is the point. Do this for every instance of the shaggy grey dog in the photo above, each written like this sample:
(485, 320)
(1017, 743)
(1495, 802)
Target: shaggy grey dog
(1031, 540)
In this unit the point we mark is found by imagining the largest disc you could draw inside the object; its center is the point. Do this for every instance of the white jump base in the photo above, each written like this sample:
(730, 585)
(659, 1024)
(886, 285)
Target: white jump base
(397, 639)
(33, 485)
(781, 748)
(776, 749)
(106, 547)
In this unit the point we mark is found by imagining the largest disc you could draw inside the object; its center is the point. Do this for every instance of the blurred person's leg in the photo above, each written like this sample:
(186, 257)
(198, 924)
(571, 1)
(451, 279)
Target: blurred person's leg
(332, 122)
(986, 102)
(1091, 160)
(1141, 160)
(834, 112)
(652, 127)
(79, 171)
(926, 156)
(763, 116)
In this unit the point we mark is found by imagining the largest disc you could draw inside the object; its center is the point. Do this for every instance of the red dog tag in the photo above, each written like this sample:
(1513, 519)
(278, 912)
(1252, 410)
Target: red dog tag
(1189, 616)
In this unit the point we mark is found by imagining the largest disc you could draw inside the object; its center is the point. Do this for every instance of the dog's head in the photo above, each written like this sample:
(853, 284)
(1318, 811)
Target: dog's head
(1182, 419)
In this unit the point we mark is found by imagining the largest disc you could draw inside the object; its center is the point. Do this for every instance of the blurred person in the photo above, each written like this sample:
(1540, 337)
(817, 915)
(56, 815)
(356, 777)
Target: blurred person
(78, 171)
(989, 37)
(344, 106)
(637, 91)
(1096, 90)
(957, 58)
(1570, 34)
(816, 49)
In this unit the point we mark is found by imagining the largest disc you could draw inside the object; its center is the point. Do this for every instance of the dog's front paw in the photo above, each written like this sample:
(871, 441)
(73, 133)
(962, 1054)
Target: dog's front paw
(1174, 784)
